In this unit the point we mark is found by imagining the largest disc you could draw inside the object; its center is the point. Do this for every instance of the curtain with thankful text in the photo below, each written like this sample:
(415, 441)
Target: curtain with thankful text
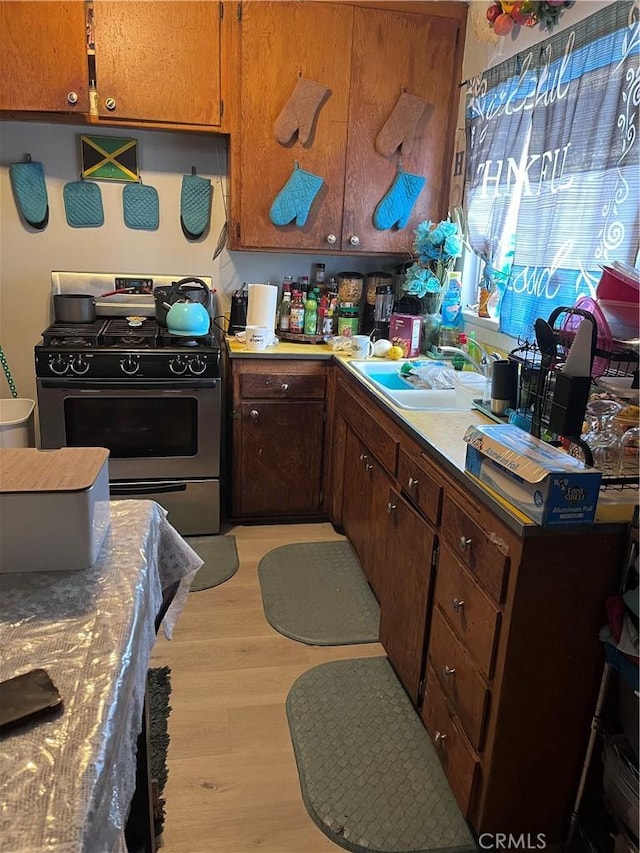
(553, 163)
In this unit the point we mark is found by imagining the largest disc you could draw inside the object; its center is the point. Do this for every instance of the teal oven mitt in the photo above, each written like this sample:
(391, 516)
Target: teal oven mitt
(296, 197)
(83, 204)
(141, 207)
(394, 209)
(195, 206)
(30, 193)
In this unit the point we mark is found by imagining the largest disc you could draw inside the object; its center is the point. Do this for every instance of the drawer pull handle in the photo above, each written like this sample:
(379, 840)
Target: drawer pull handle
(390, 507)
(284, 386)
(255, 414)
(412, 482)
(465, 544)
(440, 737)
(457, 604)
(448, 671)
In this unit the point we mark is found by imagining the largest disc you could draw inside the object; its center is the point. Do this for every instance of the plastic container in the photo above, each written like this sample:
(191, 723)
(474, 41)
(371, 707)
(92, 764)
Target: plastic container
(16, 422)
(617, 286)
(620, 786)
(622, 319)
(470, 387)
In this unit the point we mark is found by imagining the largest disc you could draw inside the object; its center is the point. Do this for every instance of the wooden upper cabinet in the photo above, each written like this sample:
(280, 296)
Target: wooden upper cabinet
(395, 52)
(43, 59)
(281, 42)
(159, 61)
(366, 57)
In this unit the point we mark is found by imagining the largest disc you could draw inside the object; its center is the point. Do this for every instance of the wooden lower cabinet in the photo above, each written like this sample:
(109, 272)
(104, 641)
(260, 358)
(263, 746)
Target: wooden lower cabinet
(278, 421)
(500, 630)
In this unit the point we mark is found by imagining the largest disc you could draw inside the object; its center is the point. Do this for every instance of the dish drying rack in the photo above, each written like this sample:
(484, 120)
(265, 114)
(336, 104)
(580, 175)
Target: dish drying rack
(553, 404)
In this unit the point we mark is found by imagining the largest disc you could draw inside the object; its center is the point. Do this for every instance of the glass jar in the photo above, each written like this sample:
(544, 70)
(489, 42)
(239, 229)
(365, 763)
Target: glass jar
(350, 287)
(348, 320)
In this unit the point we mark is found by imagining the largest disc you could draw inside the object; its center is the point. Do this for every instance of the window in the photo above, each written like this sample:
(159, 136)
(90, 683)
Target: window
(553, 172)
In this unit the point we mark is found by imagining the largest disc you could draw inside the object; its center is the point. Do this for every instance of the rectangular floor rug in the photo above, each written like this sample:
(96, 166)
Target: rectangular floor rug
(370, 776)
(316, 593)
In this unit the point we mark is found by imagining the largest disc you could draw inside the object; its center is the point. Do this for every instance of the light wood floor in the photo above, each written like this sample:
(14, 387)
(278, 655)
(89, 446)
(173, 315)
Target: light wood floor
(233, 785)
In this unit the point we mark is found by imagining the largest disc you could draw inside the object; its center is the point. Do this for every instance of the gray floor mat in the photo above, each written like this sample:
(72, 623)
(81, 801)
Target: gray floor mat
(316, 593)
(220, 556)
(369, 774)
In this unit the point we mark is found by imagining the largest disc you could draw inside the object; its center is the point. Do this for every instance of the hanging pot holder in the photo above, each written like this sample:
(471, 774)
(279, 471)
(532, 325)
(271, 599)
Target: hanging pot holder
(30, 193)
(195, 205)
(83, 204)
(141, 207)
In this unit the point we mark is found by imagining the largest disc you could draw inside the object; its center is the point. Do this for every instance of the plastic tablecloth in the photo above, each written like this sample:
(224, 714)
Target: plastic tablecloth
(66, 783)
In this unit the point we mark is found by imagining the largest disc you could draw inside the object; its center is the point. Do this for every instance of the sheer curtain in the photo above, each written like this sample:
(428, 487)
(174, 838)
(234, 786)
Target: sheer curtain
(553, 163)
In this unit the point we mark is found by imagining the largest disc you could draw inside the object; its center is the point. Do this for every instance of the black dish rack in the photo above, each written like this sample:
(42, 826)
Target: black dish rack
(553, 405)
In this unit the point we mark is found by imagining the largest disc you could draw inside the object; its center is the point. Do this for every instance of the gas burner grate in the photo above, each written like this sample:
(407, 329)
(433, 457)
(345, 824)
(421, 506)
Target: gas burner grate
(73, 334)
(166, 339)
(120, 333)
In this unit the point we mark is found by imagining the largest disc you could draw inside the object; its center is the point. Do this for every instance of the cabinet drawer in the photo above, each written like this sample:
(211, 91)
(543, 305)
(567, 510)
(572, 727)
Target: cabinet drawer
(461, 683)
(383, 446)
(473, 615)
(457, 758)
(481, 550)
(418, 483)
(282, 386)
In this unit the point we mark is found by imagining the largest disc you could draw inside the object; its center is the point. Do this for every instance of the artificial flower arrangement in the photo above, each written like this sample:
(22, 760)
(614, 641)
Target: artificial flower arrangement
(436, 248)
(504, 16)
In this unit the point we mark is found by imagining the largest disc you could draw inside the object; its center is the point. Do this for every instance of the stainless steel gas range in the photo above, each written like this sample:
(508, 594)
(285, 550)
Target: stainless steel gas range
(153, 399)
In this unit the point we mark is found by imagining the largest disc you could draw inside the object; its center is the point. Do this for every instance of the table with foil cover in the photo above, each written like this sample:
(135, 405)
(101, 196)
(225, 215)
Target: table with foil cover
(66, 782)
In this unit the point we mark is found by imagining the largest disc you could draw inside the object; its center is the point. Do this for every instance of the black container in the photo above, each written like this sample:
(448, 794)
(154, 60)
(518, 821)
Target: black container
(74, 308)
(238, 312)
(504, 386)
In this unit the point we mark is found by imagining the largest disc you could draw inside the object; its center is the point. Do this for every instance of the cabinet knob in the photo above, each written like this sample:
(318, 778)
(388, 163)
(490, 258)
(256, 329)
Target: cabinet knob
(465, 544)
(363, 457)
(457, 604)
(255, 414)
(354, 240)
(368, 467)
(332, 239)
(391, 508)
(72, 98)
(284, 386)
(110, 104)
(448, 671)
(412, 482)
(440, 737)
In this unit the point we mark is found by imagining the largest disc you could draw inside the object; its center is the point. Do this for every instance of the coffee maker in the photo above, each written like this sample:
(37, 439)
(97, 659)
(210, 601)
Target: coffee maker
(382, 312)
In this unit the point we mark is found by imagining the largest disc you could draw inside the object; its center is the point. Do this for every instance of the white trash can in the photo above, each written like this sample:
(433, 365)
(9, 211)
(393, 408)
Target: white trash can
(16, 422)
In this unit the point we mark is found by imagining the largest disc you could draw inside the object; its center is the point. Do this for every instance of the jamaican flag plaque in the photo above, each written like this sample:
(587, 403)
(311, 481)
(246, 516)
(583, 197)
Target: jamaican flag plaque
(109, 158)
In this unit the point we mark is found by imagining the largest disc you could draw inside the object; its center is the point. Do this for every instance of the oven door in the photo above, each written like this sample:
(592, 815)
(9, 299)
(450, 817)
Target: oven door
(154, 430)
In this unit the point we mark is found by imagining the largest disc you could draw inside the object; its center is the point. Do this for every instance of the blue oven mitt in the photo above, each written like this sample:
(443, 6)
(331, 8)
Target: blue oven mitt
(30, 193)
(195, 205)
(141, 207)
(396, 206)
(296, 197)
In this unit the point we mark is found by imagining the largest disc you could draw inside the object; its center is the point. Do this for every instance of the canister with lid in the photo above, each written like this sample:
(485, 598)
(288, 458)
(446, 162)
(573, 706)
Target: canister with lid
(348, 320)
(350, 287)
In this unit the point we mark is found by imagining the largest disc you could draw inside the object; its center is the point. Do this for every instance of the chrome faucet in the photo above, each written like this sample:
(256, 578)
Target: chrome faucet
(483, 367)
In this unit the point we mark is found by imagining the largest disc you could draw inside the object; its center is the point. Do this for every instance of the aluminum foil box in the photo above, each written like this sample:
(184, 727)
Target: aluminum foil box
(54, 508)
(542, 481)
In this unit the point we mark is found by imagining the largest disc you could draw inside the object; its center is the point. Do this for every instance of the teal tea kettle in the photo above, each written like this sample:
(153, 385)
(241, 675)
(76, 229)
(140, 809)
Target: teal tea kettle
(187, 318)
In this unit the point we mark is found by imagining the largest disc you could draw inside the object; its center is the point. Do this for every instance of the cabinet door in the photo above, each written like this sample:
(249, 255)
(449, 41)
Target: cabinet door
(159, 61)
(406, 594)
(281, 458)
(395, 51)
(44, 57)
(280, 42)
(356, 498)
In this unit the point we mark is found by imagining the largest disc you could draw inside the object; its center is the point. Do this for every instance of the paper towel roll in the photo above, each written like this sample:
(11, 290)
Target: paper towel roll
(261, 310)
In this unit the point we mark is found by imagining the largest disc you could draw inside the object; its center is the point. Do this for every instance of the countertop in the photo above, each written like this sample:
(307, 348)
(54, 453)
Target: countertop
(442, 432)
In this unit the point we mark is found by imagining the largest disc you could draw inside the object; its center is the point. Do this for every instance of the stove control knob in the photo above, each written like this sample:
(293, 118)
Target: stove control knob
(178, 365)
(80, 365)
(130, 364)
(58, 364)
(198, 365)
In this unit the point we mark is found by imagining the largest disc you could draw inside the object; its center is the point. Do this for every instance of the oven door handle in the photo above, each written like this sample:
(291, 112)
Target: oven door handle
(147, 488)
(170, 386)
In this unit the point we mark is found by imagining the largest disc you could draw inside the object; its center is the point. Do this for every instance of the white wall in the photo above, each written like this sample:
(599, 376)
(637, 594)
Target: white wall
(27, 256)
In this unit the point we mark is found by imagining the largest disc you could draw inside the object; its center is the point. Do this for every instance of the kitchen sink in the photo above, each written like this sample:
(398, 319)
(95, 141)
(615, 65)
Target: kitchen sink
(385, 377)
